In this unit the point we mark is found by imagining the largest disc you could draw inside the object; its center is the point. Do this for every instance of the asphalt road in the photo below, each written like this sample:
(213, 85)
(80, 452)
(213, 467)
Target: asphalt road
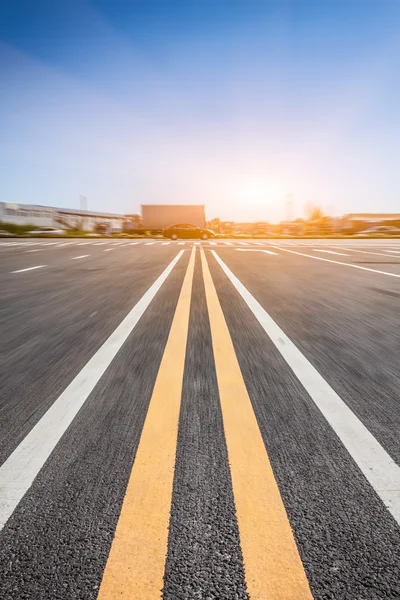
(209, 420)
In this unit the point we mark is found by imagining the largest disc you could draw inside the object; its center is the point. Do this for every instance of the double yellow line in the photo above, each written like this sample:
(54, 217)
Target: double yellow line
(136, 563)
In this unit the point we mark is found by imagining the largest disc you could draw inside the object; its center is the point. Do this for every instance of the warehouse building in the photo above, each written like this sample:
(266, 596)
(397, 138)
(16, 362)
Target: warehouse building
(160, 216)
(64, 218)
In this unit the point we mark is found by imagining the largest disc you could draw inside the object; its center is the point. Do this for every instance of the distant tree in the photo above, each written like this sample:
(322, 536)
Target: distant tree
(313, 212)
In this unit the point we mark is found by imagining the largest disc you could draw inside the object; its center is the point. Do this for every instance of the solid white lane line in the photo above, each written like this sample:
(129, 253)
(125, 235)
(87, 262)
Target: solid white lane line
(132, 244)
(364, 251)
(165, 243)
(35, 250)
(78, 257)
(394, 251)
(375, 463)
(101, 243)
(243, 243)
(22, 466)
(330, 252)
(181, 243)
(66, 244)
(336, 262)
(108, 249)
(29, 269)
(260, 243)
(149, 243)
(270, 252)
(83, 243)
(228, 243)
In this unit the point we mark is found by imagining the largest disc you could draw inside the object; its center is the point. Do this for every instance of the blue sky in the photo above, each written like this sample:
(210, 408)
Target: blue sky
(234, 104)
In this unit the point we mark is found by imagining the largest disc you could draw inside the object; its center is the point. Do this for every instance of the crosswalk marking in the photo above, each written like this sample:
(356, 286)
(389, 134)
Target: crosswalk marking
(135, 566)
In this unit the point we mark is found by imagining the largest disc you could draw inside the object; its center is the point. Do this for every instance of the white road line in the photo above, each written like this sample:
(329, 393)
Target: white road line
(35, 250)
(108, 249)
(101, 244)
(394, 251)
(330, 252)
(196, 243)
(181, 243)
(165, 243)
(365, 251)
(29, 269)
(243, 243)
(22, 466)
(78, 257)
(213, 243)
(375, 463)
(149, 243)
(66, 244)
(260, 243)
(83, 243)
(228, 243)
(270, 252)
(255, 250)
(336, 262)
(132, 244)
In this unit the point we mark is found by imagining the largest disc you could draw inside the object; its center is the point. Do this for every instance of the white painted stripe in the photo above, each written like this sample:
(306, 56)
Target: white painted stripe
(132, 244)
(260, 243)
(228, 243)
(22, 466)
(29, 269)
(149, 243)
(395, 251)
(165, 243)
(269, 252)
(375, 463)
(181, 243)
(78, 257)
(101, 243)
(66, 244)
(35, 250)
(196, 243)
(330, 252)
(364, 251)
(108, 249)
(243, 243)
(84, 243)
(336, 262)
(213, 243)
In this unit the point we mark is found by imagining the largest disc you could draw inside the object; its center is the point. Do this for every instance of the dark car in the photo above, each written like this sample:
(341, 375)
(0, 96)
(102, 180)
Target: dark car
(188, 231)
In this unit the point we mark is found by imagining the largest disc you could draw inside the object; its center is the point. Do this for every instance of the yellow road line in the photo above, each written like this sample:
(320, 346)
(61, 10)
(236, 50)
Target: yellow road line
(273, 567)
(136, 563)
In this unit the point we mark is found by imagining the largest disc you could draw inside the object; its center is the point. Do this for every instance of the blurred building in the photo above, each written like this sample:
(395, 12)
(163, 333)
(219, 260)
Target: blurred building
(160, 216)
(64, 218)
(359, 221)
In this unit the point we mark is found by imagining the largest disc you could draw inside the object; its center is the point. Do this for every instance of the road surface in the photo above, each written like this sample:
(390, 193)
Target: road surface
(199, 420)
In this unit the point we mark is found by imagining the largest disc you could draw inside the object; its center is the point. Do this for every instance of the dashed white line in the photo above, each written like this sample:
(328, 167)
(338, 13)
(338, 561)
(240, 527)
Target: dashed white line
(35, 250)
(149, 243)
(78, 257)
(213, 243)
(372, 459)
(181, 243)
(165, 243)
(228, 243)
(29, 269)
(108, 249)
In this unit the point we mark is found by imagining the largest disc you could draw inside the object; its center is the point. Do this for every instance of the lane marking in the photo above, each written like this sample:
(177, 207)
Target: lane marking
(34, 250)
(149, 243)
(108, 249)
(336, 262)
(136, 563)
(375, 463)
(23, 465)
(133, 243)
(362, 251)
(213, 243)
(394, 251)
(181, 243)
(165, 243)
(255, 250)
(78, 257)
(330, 252)
(66, 244)
(228, 243)
(243, 243)
(196, 243)
(273, 568)
(29, 269)
(83, 243)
